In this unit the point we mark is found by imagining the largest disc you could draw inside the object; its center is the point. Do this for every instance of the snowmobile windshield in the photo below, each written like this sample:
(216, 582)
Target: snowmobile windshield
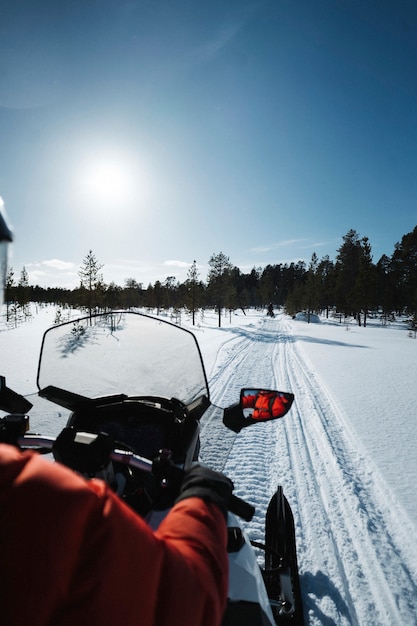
(122, 353)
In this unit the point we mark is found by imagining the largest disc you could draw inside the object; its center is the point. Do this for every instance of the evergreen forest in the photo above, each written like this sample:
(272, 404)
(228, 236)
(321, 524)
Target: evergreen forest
(351, 285)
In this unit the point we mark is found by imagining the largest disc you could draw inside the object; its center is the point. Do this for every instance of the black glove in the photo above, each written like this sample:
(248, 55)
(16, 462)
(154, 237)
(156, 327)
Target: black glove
(202, 482)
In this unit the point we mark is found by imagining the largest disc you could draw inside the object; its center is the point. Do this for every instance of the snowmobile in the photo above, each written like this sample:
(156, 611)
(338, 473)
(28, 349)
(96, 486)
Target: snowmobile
(136, 392)
(270, 310)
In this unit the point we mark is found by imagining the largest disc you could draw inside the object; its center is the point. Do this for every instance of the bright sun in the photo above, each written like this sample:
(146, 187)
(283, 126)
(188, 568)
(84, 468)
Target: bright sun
(110, 180)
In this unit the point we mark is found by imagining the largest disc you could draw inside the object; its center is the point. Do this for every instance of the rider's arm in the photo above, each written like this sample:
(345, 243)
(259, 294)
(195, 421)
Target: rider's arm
(72, 552)
(195, 536)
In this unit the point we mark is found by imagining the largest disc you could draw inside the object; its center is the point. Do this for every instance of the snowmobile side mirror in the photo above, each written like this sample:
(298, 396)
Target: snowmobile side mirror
(255, 406)
(12, 402)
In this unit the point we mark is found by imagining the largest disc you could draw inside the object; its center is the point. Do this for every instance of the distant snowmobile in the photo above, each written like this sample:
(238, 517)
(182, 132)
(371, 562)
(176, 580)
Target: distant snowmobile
(140, 383)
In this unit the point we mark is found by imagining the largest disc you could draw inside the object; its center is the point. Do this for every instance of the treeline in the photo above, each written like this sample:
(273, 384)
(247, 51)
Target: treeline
(350, 285)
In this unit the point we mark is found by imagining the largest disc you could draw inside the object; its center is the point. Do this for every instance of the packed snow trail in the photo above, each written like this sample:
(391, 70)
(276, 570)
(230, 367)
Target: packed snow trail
(354, 567)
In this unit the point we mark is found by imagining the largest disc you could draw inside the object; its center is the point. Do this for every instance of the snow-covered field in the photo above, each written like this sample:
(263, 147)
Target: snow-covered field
(345, 454)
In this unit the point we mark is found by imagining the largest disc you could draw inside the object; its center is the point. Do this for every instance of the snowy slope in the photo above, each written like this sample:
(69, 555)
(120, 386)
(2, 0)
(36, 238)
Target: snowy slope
(355, 530)
(356, 547)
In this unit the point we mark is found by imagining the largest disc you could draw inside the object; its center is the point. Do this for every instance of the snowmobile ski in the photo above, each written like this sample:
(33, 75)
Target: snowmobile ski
(281, 569)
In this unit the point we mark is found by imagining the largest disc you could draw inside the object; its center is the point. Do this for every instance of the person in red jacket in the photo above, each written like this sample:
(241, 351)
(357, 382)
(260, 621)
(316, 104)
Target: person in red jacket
(265, 404)
(72, 552)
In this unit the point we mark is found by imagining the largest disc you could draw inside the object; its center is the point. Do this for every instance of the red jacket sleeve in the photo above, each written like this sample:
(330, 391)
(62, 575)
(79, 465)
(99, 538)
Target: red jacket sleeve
(72, 553)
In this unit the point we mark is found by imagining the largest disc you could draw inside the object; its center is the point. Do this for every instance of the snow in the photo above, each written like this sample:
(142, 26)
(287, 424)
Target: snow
(345, 453)
(311, 318)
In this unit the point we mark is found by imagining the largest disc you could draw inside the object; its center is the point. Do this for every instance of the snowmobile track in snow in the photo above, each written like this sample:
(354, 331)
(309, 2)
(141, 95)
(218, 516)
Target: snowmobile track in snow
(352, 567)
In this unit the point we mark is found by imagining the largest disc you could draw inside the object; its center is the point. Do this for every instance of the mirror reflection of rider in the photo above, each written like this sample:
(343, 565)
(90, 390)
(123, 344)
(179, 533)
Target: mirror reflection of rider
(73, 553)
(265, 404)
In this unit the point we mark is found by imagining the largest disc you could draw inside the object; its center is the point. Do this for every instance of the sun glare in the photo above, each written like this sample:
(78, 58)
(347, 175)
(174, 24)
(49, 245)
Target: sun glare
(109, 181)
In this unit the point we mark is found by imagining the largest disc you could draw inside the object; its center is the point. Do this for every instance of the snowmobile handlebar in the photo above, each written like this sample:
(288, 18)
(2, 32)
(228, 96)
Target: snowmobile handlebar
(45, 444)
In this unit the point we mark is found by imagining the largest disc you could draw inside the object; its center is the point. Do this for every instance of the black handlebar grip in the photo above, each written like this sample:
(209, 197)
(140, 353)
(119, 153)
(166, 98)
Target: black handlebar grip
(241, 508)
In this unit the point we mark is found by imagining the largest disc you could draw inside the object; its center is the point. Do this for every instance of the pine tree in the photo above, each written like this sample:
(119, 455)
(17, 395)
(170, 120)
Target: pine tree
(23, 292)
(193, 290)
(8, 291)
(219, 279)
(91, 281)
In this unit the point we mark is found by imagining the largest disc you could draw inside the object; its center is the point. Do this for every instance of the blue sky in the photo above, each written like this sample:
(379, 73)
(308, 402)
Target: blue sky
(159, 132)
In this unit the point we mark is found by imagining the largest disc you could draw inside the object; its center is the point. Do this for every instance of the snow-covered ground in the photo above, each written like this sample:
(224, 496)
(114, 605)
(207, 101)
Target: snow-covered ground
(345, 454)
